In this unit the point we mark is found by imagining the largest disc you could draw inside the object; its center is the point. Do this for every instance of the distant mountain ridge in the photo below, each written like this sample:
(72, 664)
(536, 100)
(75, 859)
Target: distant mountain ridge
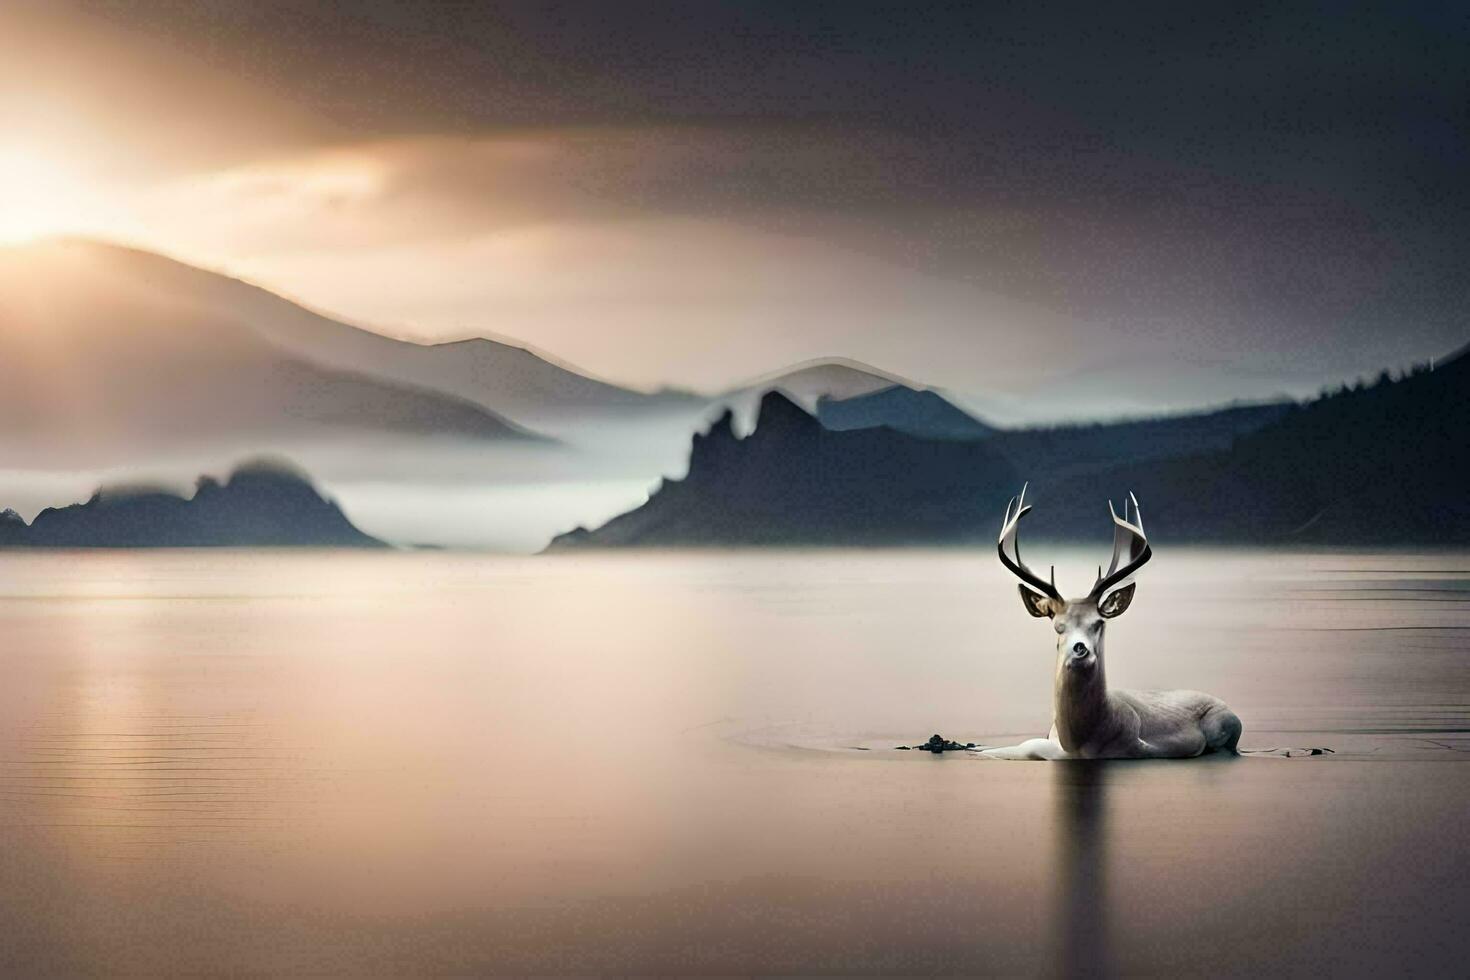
(1063, 451)
(806, 384)
(917, 412)
(99, 363)
(506, 379)
(1385, 463)
(791, 481)
(114, 360)
(1382, 463)
(828, 377)
(260, 505)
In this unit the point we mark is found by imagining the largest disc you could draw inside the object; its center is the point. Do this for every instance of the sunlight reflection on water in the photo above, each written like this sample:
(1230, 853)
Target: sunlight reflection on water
(440, 762)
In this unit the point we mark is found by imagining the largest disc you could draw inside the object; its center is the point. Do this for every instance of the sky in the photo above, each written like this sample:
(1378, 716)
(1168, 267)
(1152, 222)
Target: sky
(1059, 205)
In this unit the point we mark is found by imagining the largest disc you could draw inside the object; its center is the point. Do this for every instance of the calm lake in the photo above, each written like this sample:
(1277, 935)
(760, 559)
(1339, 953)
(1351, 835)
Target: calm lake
(430, 763)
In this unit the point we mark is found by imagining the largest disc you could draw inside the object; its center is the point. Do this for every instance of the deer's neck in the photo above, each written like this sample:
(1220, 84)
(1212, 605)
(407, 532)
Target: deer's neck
(1080, 702)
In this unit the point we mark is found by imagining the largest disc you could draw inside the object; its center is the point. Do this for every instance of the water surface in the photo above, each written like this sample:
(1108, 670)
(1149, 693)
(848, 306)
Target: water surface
(422, 763)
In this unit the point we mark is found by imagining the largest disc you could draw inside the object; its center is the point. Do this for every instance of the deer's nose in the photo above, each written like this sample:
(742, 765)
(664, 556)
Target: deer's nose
(1079, 649)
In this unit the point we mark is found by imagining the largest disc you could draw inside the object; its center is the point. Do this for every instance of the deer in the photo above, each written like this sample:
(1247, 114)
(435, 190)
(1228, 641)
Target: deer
(1090, 720)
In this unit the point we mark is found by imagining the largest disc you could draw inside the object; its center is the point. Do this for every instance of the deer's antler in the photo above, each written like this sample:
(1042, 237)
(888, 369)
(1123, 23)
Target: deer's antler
(1010, 549)
(1130, 549)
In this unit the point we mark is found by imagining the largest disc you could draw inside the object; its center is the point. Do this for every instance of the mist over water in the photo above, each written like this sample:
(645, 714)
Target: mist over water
(445, 762)
(448, 494)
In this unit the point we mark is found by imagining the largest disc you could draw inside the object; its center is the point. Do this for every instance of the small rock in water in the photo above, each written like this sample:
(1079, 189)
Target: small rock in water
(937, 744)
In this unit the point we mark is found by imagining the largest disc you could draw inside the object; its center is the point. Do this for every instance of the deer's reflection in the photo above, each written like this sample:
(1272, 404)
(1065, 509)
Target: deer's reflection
(1081, 913)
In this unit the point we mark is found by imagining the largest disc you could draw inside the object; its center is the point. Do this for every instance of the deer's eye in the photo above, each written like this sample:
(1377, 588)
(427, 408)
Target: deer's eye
(1060, 626)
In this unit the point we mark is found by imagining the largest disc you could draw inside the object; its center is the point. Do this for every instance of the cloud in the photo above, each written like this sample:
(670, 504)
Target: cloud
(1256, 188)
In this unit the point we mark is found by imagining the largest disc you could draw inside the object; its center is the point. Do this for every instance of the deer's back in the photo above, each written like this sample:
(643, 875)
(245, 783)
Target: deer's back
(1166, 712)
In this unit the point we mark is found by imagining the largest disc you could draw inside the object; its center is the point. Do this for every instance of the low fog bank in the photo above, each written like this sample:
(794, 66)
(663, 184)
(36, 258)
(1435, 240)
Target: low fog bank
(442, 493)
(519, 518)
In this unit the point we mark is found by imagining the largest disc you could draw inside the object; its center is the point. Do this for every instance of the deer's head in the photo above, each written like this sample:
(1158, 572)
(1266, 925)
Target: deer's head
(1079, 623)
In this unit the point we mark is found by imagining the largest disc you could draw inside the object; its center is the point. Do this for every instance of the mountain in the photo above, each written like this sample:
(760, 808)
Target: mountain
(260, 505)
(1385, 463)
(917, 412)
(501, 378)
(1132, 385)
(1063, 451)
(791, 481)
(100, 363)
(805, 384)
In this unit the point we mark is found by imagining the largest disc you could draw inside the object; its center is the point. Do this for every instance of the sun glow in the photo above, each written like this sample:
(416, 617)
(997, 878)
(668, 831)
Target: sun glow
(42, 196)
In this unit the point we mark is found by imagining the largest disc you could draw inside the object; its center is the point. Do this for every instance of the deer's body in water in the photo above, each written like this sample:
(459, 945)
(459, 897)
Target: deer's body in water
(1091, 721)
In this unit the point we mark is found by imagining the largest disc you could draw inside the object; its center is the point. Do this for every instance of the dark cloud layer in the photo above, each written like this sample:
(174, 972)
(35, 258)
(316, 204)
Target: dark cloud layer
(1257, 180)
(1141, 71)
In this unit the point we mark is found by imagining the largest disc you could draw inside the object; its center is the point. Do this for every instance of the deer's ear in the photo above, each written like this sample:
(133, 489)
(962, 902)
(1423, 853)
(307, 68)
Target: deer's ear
(1116, 603)
(1037, 605)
